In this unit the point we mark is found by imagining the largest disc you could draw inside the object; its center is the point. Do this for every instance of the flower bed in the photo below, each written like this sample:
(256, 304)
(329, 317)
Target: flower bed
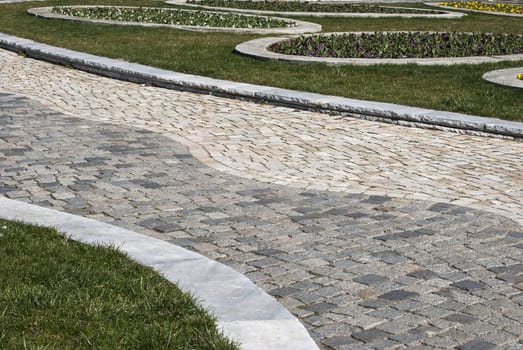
(401, 45)
(304, 6)
(487, 7)
(172, 17)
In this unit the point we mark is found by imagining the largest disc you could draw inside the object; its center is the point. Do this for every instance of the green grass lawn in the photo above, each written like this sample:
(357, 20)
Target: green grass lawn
(59, 294)
(453, 88)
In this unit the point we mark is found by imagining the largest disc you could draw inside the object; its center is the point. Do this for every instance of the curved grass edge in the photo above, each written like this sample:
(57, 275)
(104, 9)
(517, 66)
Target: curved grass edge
(91, 295)
(300, 27)
(253, 320)
(447, 14)
(259, 48)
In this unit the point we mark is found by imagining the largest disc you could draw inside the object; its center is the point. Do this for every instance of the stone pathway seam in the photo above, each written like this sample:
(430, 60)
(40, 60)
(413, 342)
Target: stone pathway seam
(261, 324)
(420, 164)
(346, 107)
(359, 270)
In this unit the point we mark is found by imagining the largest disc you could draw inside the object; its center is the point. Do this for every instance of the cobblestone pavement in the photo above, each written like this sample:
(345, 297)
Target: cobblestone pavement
(289, 147)
(361, 270)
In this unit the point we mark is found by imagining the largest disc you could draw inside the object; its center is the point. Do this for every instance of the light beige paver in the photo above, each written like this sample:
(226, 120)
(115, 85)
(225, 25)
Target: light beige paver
(285, 146)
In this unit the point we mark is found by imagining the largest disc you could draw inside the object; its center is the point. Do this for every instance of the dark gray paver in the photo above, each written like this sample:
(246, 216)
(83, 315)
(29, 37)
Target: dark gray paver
(469, 285)
(311, 249)
(398, 295)
(370, 335)
(477, 345)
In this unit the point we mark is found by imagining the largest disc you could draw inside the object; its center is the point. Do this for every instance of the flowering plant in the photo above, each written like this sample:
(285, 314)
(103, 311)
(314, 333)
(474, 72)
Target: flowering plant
(173, 16)
(308, 6)
(401, 45)
(482, 6)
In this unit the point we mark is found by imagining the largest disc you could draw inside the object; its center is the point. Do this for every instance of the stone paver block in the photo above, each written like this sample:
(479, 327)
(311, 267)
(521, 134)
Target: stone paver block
(398, 295)
(476, 345)
(469, 285)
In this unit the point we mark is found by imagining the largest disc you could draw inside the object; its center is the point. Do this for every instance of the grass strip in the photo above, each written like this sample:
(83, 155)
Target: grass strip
(457, 88)
(56, 293)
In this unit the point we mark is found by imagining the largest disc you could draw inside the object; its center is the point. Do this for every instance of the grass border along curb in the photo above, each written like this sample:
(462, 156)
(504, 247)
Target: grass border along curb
(244, 312)
(347, 107)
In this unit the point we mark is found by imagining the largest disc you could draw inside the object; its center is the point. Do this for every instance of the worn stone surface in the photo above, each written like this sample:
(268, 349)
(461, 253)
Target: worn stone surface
(321, 253)
(291, 147)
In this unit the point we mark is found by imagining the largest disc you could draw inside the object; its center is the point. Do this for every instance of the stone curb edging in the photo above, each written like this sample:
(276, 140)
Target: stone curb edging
(436, 4)
(258, 48)
(446, 14)
(244, 312)
(505, 77)
(300, 27)
(347, 107)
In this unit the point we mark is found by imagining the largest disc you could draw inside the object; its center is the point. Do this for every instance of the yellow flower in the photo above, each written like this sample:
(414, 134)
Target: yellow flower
(481, 6)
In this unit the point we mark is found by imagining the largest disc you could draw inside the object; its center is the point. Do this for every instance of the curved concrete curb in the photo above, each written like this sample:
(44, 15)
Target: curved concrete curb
(258, 48)
(348, 107)
(445, 14)
(436, 4)
(506, 77)
(244, 312)
(300, 27)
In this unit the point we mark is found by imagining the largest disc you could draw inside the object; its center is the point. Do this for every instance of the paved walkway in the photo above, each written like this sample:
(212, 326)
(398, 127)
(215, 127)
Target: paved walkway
(374, 235)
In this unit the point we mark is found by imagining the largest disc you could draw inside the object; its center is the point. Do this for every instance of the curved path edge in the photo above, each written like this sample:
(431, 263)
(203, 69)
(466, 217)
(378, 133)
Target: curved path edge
(300, 27)
(506, 77)
(347, 107)
(244, 312)
(259, 49)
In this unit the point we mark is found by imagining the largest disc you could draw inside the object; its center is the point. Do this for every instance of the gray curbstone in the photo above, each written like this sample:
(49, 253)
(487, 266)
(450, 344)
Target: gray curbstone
(348, 107)
(506, 77)
(244, 312)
